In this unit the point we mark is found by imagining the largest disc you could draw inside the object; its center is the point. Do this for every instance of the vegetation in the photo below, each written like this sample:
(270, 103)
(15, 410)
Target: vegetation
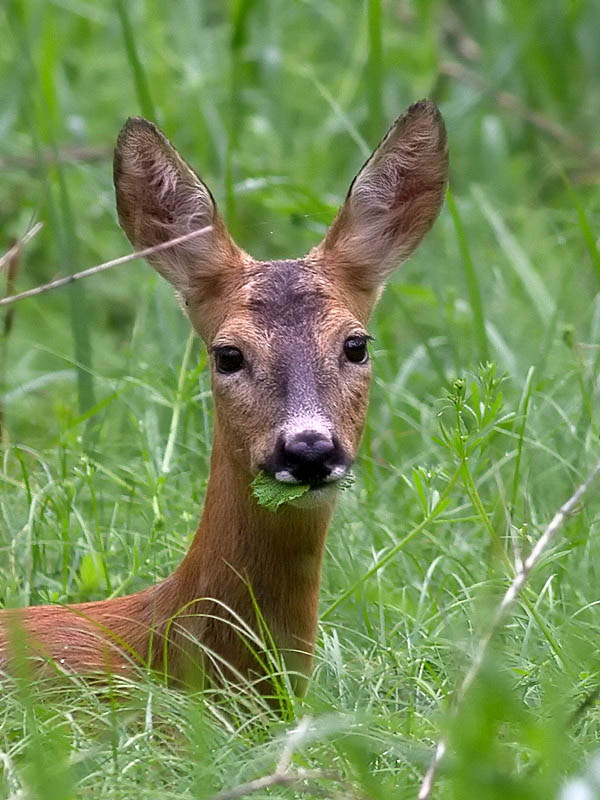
(484, 414)
(272, 494)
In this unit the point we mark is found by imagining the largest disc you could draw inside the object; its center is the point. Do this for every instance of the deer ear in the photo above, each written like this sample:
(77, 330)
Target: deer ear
(393, 201)
(159, 197)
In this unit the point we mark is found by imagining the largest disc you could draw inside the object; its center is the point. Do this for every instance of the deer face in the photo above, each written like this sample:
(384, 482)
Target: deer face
(291, 373)
(287, 339)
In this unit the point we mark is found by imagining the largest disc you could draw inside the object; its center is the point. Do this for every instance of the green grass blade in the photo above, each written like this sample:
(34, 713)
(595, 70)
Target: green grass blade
(239, 17)
(344, 120)
(517, 257)
(471, 279)
(44, 115)
(584, 224)
(398, 547)
(142, 85)
(524, 410)
(421, 334)
(375, 71)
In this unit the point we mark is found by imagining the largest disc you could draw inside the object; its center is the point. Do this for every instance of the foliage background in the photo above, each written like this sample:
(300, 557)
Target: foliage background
(277, 105)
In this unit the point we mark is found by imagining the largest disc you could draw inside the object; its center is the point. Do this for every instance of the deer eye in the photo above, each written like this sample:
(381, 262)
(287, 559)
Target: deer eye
(355, 349)
(228, 359)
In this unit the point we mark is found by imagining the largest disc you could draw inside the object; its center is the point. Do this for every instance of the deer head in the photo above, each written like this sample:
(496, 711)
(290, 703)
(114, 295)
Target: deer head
(287, 339)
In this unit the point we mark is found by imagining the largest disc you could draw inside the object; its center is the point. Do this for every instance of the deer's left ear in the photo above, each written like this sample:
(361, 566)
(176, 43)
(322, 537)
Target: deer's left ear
(392, 202)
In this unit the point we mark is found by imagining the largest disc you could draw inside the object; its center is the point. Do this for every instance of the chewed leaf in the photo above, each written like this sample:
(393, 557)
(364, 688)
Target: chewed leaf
(271, 493)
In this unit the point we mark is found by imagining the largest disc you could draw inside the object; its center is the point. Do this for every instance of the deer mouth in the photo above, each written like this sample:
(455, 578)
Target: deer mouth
(325, 478)
(309, 458)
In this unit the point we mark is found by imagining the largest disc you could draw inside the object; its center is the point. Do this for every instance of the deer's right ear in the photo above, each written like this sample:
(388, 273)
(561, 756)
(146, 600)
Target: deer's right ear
(159, 197)
(392, 202)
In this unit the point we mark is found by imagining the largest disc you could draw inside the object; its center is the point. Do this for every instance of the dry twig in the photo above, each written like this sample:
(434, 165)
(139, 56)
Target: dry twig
(13, 251)
(283, 776)
(508, 600)
(116, 262)
(510, 102)
(10, 262)
(457, 37)
(295, 779)
(64, 155)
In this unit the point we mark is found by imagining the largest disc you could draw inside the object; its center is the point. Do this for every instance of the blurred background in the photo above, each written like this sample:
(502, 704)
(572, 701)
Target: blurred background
(277, 105)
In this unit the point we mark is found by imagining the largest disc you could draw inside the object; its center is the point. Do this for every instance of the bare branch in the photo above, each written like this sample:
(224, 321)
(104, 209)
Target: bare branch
(9, 263)
(293, 740)
(64, 155)
(295, 779)
(18, 245)
(457, 36)
(116, 262)
(512, 103)
(283, 776)
(508, 600)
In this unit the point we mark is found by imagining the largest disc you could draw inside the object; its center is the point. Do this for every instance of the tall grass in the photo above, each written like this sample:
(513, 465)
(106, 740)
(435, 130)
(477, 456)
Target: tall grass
(43, 112)
(463, 462)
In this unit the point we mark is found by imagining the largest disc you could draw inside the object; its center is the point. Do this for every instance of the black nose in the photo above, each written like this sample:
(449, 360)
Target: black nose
(310, 457)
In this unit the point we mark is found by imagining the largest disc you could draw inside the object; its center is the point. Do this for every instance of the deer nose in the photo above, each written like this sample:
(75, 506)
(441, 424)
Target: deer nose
(310, 457)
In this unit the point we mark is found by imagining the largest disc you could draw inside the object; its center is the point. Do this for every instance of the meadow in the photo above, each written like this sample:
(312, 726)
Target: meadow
(484, 413)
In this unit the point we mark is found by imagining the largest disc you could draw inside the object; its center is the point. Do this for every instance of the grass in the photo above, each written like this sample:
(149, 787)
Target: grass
(102, 477)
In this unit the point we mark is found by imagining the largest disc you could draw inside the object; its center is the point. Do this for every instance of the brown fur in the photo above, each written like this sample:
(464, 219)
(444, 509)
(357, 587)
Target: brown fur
(290, 320)
(393, 201)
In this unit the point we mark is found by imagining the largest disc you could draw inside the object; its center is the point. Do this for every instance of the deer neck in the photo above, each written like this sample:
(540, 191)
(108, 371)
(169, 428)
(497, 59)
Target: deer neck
(244, 556)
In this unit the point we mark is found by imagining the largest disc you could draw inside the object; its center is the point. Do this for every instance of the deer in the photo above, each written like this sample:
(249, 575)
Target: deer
(290, 376)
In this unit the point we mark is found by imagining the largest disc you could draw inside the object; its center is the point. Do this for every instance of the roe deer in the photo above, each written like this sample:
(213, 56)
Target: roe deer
(290, 379)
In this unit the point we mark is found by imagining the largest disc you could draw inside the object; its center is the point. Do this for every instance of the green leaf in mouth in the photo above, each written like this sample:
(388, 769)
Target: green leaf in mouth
(271, 493)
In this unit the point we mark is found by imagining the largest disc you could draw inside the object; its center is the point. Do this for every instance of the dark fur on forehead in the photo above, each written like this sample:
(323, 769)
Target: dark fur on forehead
(288, 294)
(287, 300)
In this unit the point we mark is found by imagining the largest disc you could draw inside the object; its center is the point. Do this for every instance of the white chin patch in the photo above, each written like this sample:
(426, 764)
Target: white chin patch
(336, 473)
(315, 497)
(283, 476)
